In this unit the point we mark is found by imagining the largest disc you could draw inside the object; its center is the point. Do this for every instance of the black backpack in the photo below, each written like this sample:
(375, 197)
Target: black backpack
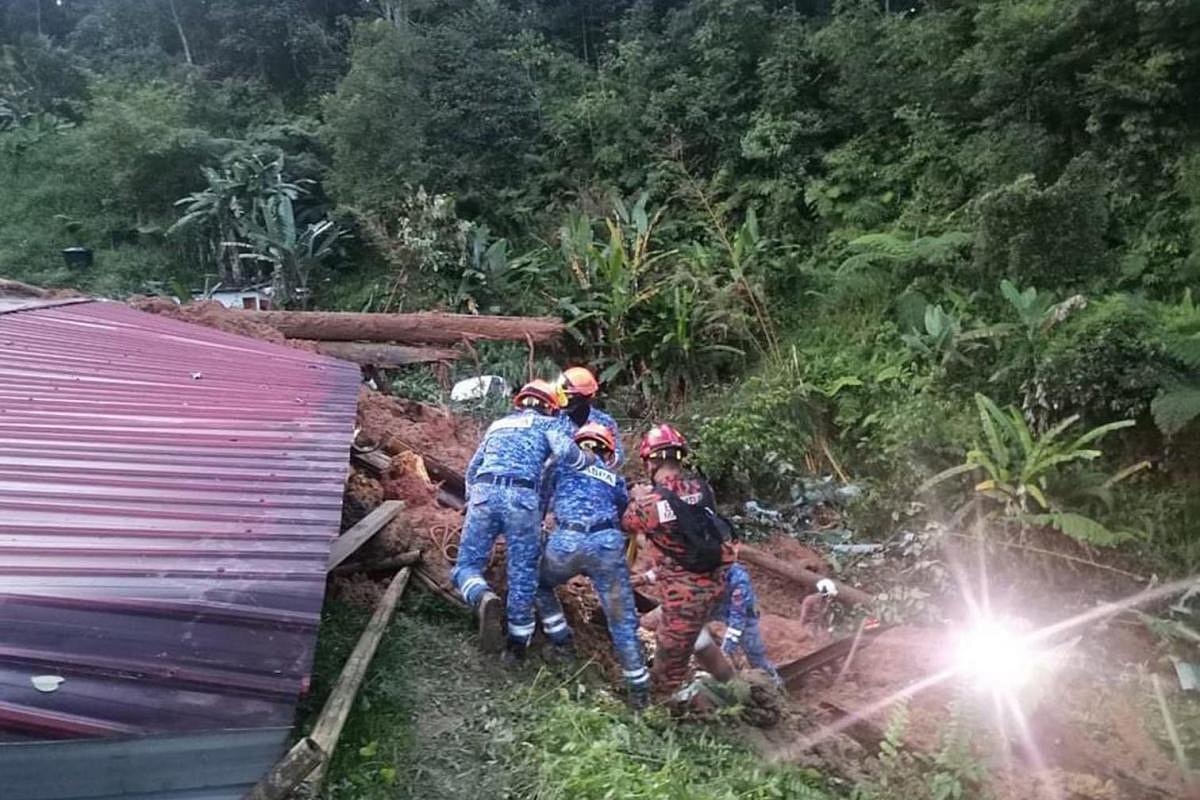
(699, 529)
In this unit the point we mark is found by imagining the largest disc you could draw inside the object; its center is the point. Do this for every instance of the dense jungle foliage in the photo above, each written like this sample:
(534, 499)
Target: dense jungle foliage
(911, 239)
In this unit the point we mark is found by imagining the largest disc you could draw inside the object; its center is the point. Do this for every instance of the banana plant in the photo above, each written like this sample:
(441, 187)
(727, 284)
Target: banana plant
(944, 342)
(1034, 310)
(1016, 467)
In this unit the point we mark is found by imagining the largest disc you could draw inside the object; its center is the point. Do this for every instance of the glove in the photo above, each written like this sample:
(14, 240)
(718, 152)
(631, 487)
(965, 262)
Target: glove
(647, 577)
(731, 640)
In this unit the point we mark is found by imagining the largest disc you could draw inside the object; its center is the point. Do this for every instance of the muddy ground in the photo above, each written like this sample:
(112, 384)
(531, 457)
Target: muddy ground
(1085, 731)
(1087, 734)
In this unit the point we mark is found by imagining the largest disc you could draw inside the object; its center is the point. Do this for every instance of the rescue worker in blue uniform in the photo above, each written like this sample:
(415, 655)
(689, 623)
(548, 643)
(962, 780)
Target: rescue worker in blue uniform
(587, 540)
(503, 482)
(739, 612)
(581, 388)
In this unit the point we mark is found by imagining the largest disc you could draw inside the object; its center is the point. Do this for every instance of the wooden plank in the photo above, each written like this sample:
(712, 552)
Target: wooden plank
(346, 544)
(376, 461)
(831, 653)
(289, 773)
(337, 708)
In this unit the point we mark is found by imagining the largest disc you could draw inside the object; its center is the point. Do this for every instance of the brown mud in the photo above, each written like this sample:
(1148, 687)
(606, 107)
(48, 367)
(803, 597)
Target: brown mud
(1087, 738)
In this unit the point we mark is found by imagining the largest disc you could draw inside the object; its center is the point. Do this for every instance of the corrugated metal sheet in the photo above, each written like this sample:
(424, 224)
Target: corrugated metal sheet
(222, 765)
(168, 495)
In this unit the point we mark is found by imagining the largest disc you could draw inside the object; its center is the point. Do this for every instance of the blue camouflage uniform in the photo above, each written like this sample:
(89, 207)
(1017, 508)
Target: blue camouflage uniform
(588, 541)
(503, 480)
(596, 415)
(739, 612)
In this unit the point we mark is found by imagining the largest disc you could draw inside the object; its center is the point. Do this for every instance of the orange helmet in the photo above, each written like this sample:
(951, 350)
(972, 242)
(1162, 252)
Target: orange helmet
(594, 435)
(542, 396)
(663, 441)
(579, 381)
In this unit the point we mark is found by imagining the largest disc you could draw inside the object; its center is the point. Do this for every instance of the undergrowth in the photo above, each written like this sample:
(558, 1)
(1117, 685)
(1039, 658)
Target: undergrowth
(435, 719)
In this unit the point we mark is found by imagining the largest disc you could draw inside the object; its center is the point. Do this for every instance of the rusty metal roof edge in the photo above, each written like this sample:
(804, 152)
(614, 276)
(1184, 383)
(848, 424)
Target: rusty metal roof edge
(34, 303)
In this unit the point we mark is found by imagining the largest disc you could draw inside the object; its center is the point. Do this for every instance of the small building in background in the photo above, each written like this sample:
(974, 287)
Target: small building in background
(251, 298)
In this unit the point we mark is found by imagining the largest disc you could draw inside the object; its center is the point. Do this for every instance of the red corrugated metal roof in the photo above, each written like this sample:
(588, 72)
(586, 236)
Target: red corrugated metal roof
(168, 495)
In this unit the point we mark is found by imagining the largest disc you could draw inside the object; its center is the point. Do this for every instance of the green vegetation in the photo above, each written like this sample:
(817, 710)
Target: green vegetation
(816, 228)
(435, 719)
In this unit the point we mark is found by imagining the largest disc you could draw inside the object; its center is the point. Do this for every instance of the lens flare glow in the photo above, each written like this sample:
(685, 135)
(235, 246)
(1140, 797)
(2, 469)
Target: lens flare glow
(993, 656)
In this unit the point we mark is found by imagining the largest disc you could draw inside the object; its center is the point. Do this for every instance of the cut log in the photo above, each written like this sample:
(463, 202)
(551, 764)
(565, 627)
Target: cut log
(385, 355)
(846, 594)
(337, 708)
(389, 564)
(291, 770)
(426, 327)
(452, 480)
(346, 544)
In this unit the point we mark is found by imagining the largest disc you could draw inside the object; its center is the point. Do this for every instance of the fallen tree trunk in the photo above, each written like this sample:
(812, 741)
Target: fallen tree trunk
(846, 594)
(385, 355)
(292, 769)
(424, 327)
(337, 708)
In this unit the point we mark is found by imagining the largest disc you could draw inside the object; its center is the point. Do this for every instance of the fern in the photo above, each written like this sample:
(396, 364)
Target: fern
(937, 251)
(1175, 407)
(1082, 529)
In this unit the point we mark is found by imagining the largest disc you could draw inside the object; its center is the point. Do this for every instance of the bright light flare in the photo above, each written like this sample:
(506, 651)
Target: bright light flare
(993, 656)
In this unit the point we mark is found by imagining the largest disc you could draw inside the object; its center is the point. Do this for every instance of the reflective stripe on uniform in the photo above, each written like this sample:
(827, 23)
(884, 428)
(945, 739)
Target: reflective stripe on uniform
(637, 675)
(521, 630)
(471, 583)
(732, 633)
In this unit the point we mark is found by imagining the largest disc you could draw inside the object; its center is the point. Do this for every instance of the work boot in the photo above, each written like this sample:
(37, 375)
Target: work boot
(638, 698)
(514, 654)
(491, 623)
(561, 652)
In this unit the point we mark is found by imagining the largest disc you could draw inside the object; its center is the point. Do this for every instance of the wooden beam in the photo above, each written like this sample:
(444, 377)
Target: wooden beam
(425, 327)
(376, 461)
(337, 708)
(385, 355)
(346, 544)
(389, 564)
(289, 772)
(806, 577)
(430, 583)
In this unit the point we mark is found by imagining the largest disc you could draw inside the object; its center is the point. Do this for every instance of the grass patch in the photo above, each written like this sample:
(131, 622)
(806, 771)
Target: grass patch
(435, 719)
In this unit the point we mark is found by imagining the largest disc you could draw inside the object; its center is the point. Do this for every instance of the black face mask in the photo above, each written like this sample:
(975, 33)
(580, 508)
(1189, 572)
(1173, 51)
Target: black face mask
(578, 409)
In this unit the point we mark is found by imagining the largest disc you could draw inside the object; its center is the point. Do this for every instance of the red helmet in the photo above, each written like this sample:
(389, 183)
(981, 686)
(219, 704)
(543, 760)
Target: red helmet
(541, 395)
(579, 381)
(662, 441)
(595, 435)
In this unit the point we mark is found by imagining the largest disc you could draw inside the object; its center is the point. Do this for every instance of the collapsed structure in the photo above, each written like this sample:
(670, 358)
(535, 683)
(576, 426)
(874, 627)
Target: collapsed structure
(168, 497)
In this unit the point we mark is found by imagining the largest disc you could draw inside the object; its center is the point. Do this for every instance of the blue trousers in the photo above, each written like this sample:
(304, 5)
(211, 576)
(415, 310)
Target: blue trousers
(751, 643)
(511, 512)
(600, 556)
